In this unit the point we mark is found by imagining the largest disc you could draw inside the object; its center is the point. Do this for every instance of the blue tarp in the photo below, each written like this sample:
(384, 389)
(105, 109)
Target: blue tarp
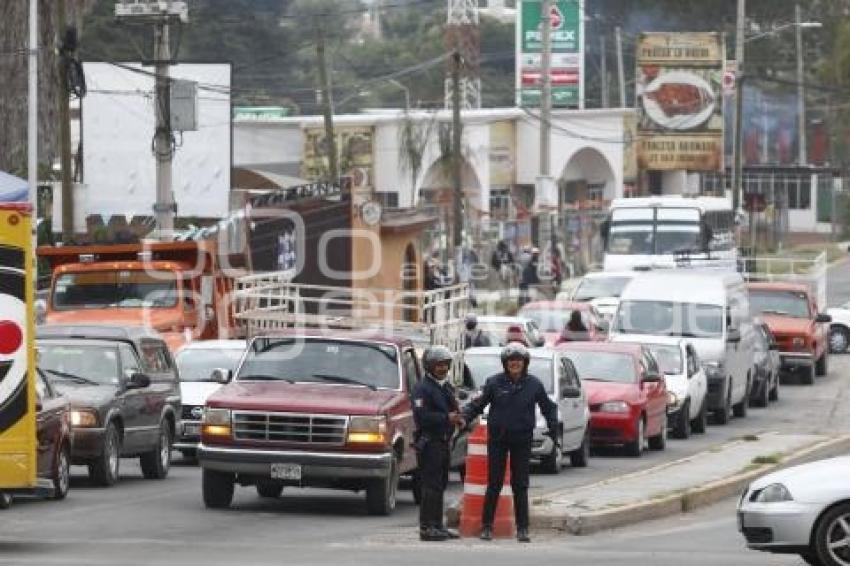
(13, 189)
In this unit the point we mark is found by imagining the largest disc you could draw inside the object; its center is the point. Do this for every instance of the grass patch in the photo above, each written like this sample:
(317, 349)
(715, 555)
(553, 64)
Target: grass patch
(774, 458)
(750, 438)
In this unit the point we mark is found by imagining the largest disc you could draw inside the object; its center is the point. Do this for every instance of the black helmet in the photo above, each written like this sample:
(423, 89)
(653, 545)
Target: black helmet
(470, 321)
(435, 355)
(515, 350)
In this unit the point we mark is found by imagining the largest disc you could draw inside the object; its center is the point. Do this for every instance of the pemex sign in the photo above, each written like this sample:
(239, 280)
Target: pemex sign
(567, 62)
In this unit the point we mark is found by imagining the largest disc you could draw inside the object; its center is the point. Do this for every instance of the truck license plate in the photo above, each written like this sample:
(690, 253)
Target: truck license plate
(286, 472)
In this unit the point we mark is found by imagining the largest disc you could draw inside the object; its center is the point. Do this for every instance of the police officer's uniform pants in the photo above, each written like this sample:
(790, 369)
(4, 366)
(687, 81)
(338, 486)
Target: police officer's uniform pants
(497, 454)
(433, 473)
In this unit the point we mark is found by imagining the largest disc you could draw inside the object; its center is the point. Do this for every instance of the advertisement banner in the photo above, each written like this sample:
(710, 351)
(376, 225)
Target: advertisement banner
(567, 62)
(17, 389)
(679, 102)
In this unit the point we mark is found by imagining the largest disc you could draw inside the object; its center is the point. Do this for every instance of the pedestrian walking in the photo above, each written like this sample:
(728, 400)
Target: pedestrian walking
(436, 413)
(529, 277)
(474, 337)
(511, 396)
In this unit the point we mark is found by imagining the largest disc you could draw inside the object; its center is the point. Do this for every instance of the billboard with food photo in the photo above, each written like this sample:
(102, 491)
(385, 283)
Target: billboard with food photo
(679, 102)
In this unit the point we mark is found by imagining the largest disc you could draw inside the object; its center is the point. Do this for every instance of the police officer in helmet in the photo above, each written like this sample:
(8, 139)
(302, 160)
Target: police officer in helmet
(435, 410)
(512, 396)
(474, 337)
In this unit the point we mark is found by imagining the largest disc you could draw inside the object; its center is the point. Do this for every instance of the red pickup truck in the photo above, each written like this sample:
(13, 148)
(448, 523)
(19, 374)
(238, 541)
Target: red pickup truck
(312, 408)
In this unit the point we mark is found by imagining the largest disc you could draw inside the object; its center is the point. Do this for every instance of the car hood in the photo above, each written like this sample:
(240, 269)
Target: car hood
(787, 325)
(303, 397)
(92, 396)
(823, 481)
(197, 392)
(602, 391)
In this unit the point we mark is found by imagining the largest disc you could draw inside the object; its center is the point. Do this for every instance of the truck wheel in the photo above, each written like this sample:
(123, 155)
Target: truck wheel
(156, 463)
(61, 478)
(740, 409)
(5, 500)
(217, 488)
(721, 416)
(683, 423)
(270, 489)
(774, 392)
(822, 365)
(381, 494)
(659, 441)
(763, 397)
(635, 447)
(580, 456)
(552, 462)
(104, 470)
(807, 376)
(700, 423)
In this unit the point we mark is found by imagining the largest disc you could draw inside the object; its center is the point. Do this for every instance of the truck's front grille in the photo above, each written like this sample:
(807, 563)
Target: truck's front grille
(327, 430)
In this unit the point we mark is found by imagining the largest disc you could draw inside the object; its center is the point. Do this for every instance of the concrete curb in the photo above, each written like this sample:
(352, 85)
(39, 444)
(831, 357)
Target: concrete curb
(553, 519)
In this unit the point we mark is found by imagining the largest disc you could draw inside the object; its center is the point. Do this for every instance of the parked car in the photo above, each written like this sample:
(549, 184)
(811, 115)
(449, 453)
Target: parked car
(791, 313)
(687, 387)
(124, 394)
(626, 393)
(504, 329)
(767, 365)
(53, 445)
(552, 318)
(202, 365)
(602, 289)
(801, 510)
(561, 381)
(839, 328)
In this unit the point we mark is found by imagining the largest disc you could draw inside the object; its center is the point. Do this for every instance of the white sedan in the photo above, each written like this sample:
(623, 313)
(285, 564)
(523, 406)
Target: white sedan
(801, 510)
(839, 328)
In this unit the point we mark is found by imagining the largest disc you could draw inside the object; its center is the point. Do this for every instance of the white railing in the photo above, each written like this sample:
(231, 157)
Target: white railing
(803, 270)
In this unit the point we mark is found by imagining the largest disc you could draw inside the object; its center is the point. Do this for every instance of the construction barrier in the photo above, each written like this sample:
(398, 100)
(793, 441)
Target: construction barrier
(475, 487)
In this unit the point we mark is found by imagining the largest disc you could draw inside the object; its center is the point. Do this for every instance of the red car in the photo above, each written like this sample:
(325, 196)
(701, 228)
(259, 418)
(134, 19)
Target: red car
(626, 393)
(565, 321)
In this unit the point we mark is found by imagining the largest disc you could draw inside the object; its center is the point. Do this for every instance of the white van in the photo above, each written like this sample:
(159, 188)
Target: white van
(710, 309)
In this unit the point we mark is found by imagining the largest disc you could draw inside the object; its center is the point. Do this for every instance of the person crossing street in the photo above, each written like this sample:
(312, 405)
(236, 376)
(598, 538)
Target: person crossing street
(511, 396)
(436, 413)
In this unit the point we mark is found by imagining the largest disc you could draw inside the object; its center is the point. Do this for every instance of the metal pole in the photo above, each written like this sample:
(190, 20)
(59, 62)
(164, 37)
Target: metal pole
(32, 128)
(457, 183)
(739, 105)
(546, 106)
(603, 71)
(163, 147)
(621, 75)
(802, 158)
(68, 227)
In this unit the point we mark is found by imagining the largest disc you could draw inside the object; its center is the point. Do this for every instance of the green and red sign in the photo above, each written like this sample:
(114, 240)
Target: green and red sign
(567, 61)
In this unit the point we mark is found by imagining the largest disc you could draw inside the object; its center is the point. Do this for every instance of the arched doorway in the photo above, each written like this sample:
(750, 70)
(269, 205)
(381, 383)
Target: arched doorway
(588, 178)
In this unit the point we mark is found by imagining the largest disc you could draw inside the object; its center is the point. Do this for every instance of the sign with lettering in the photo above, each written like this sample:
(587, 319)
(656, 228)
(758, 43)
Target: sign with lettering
(679, 103)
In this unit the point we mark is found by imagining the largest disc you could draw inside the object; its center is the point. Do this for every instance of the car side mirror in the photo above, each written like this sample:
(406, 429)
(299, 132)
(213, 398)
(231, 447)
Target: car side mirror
(652, 378)
(733, 335)
(221, 375)
(823, 318)
(138, 381)
(570, 393)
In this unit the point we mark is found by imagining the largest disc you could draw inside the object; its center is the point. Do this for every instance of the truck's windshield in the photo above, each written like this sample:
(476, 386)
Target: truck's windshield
(115, 289)
(666, 318)
(785, 303)
(321, 360)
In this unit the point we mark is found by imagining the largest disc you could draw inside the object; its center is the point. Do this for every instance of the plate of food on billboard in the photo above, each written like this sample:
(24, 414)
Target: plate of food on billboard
(679, 100)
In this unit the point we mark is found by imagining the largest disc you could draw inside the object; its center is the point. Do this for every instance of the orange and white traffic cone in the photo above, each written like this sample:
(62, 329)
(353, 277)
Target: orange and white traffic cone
(475, 487)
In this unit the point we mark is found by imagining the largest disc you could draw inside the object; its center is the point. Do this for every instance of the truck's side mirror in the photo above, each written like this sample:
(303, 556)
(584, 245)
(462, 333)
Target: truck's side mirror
(138, 380)
(221, 375)
(823, 318)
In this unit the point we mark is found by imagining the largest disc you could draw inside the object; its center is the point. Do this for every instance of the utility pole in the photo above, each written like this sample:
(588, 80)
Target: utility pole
(327, 104)
(546, 109)
(457, 183)
(32, 129)
(737, 181)
(802, 158)
(163, 138)
(65, 126)
(621, 75)
(603, 70)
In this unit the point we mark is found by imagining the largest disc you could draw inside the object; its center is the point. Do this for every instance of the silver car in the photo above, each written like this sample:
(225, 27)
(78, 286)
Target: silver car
(801, 510)
(561, 381)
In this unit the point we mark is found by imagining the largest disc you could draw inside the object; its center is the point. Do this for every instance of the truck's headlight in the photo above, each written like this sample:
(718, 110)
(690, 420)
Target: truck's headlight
(370, 430)
(83, 418)
(215, 422)
(614, 407)
(774, 493)
(798, 343)
(672, 399)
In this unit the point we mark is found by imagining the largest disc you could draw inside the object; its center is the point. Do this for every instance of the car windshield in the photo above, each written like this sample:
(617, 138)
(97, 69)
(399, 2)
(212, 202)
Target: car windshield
(603, 366)
(115, 289)
(666, 318)
(79, 363)
(787, 303)
(483, 366)
(669, 358)
(594, 287)
(196, 364)
(548, 320)
(321, 360)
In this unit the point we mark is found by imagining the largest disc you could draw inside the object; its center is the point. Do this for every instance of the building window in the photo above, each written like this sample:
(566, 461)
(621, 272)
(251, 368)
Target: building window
(500, 201)
(387, 199)
(596, 192)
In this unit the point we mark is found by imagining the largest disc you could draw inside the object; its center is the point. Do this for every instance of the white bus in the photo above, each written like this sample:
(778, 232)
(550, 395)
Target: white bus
(669, 231)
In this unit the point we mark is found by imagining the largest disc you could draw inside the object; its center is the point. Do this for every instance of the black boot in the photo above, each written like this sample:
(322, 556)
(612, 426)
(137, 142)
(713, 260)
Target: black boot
(486, 533)
(432, 534)
(450, 533)
(522, 535)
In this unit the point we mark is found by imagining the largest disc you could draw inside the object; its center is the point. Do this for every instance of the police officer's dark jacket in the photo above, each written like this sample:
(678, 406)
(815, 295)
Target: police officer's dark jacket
(512, 406)
(432, 403)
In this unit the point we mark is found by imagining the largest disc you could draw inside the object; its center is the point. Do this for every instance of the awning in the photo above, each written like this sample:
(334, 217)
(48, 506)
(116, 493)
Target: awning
(13, 189)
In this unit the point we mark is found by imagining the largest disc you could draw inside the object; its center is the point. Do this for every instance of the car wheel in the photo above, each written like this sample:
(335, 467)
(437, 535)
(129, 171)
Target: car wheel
(635, 447)
(270, 489)
(839, 339)
(721, 417)
(832, 536)
(157, 462)
(701, 422)
(683, 422)
(104, 470)
(62, 473)
(553, 462)
(763, 391)
(740, 409)
(580, 456)
(822, 365)
(5, 500)
(774, 391)
(659, 441)
(811, 558)
(807, 376)
(381, 494)
(217, 488)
